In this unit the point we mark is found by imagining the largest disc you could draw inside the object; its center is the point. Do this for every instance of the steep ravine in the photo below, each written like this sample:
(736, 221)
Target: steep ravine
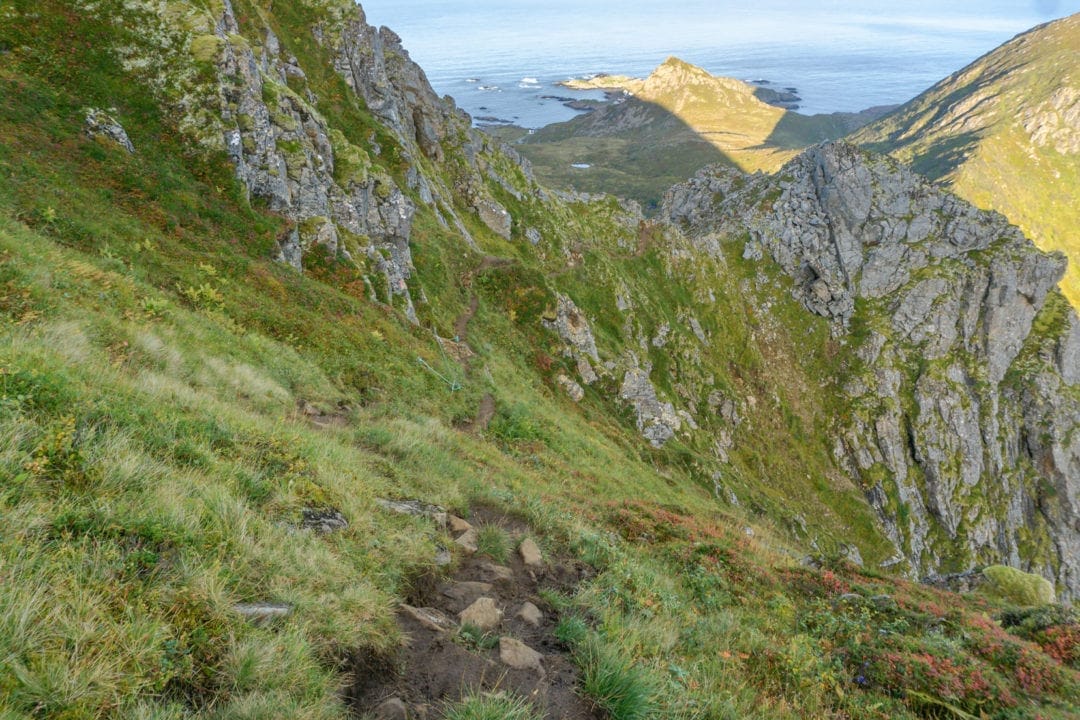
(961, 422)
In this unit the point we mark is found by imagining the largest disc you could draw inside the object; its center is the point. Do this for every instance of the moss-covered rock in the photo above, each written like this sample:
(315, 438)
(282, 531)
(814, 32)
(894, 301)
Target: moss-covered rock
(1018, 587)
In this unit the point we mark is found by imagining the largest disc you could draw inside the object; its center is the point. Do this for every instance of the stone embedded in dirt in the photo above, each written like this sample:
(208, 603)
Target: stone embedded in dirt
(322, 520)
(262, 613)
(442, 557)
(575, 391)
(482, 614)
(519, 656)
(457, 525)
(100, 124)
(530, 553)
(469, 541)
(392, 709)
(415, 508)
(431, 618)
(497, 573)
(466, 590)
(530, 614)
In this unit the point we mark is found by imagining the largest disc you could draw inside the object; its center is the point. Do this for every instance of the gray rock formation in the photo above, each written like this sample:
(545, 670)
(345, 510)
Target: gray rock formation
(656, 421)
(964, 409)
(572, 326)
(258, 108)
(101, 124)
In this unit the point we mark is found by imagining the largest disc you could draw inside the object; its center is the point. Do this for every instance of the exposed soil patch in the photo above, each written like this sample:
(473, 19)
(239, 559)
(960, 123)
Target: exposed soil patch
(461, 325)
(439, 664)
(484, 414)
(460, 345)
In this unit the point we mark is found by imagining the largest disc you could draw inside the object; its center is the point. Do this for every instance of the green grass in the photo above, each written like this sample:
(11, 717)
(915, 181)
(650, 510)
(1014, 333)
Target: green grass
(571, 631)
(494, 542)
(476, 639)
(492, 706)
(611, 681)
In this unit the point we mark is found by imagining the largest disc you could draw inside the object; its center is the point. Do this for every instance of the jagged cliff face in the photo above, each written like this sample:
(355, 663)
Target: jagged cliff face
(962, 389)
(237, 90)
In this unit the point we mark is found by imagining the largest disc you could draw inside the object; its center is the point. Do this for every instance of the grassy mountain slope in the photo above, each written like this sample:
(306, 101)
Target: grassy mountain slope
(675, 122)
(172, 401)
(1003, 134)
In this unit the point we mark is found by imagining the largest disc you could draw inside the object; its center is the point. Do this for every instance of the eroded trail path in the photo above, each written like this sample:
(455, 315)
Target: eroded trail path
(485, 627)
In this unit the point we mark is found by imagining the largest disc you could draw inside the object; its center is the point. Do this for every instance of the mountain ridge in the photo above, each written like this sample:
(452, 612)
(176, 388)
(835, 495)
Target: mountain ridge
(959, 132)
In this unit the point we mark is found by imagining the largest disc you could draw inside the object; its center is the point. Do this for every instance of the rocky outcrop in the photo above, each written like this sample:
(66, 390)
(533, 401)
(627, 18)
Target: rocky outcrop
(656, 421)
(964, 408)
(101, 124)
(237, 89)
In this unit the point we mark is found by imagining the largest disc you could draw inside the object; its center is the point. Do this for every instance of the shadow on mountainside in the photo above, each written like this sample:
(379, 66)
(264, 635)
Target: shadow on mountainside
(797, 132)
(633, 149)
(637, 149)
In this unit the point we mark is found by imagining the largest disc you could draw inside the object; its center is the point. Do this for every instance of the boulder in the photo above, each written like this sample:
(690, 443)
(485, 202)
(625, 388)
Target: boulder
(469, 540)
(530, 614)
(530, 553)
(519, 656)
(482, 614)
(430, 618)
(457, 525)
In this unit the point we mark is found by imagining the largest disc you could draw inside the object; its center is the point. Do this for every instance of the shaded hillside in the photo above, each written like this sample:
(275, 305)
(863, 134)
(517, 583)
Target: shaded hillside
(1004, 133)
(305, 385)
(670, 125)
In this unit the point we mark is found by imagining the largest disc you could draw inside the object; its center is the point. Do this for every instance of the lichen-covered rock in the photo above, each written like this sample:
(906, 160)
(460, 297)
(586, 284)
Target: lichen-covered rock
(656, 421)
(575, 391)
(257, 107)
(496, 217)
(572, 326)
(101, 124)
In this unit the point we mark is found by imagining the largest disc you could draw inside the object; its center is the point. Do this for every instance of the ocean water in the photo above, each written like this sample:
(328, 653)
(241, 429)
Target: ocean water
(499, 59)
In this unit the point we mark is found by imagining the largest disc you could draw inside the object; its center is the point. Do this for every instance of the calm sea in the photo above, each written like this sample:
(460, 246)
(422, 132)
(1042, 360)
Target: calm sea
(499, 58)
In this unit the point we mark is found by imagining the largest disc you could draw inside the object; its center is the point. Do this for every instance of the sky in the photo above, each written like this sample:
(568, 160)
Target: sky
(843, 54)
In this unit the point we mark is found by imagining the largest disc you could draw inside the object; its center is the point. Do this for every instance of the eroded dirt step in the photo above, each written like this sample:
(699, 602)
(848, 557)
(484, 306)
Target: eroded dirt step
(514, 650)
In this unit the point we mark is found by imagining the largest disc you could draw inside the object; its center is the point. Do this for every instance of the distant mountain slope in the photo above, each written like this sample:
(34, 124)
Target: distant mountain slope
(673, 123)
(1004, 133)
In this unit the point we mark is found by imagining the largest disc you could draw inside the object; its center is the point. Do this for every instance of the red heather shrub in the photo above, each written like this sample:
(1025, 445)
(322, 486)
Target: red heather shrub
(1035, 673)
(952, 679)
(1062, 643)
(814, 583)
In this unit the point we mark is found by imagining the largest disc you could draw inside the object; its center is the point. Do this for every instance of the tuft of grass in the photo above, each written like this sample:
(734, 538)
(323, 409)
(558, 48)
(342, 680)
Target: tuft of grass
(571, 631)
(476, 638)
(494, 542)
(492, 706)
(614, 683)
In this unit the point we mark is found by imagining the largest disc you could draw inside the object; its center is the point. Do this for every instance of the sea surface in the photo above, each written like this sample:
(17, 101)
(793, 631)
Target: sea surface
(499, 59)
